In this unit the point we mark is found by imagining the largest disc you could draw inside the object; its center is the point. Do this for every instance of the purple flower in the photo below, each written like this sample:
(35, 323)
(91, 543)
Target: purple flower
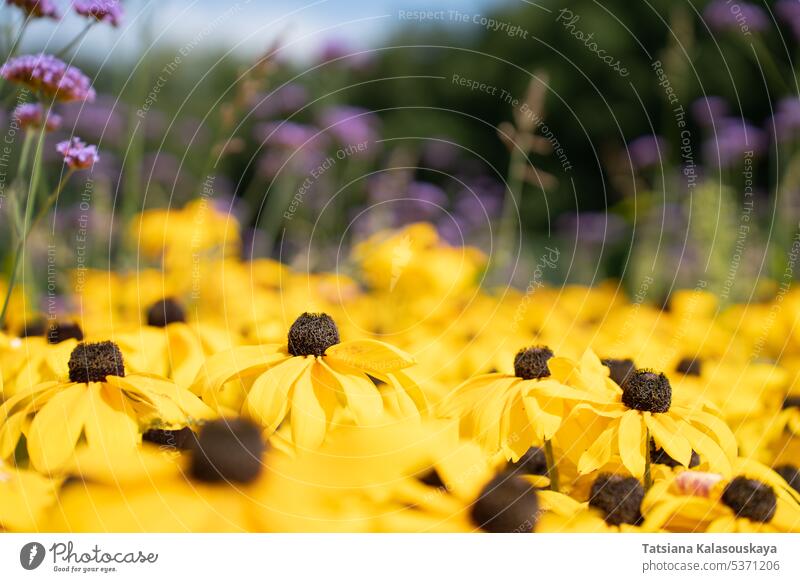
(30, 116)
(732, 141)
(337, 49)
(101, 10)
(78, 155)
(646, 151)
(789, 12)
(37, 8)
(286, 99)
(736, 16)
(708, 111)
(592, 227)
(785, 123)
(286, 134)
(50, 76)
(350, 125)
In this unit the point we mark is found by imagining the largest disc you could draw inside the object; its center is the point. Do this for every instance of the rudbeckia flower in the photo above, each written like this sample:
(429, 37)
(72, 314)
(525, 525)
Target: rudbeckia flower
(614, 506)
(312, 378)
(99, 402)
(510, 413)
(28, 361)
(24, 497)
(213, 487)
(641, 410)
(755, 500)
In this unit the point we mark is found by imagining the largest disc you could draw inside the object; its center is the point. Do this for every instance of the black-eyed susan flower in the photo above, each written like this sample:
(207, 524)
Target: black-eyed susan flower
(755, 500)
(99, 403)
(510, 413)
(311, 379)
(614, 505)
(213, 487)
(641, 410)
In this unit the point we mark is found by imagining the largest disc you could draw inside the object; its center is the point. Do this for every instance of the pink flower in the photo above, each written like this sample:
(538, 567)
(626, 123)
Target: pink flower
(101, 10)
(29, 116)
(78, 155)
(37, 8)
(50, 76)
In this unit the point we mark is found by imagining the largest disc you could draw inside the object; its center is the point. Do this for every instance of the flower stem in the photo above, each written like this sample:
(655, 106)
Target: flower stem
(505, 234)
(30, 203)
(552, 467)
(81, 35)
(51, 199)
(15, 45)
(648, 477)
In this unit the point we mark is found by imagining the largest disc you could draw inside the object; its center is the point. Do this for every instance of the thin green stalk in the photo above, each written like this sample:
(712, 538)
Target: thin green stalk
(505, 234)
(770, 67)
(552, 466)
(30, 203)
(648, 476)
(80, 36)
(15, 45)
(51, 200)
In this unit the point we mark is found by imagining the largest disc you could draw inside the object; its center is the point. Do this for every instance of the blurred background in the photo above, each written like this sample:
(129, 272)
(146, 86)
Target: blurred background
(651, 142)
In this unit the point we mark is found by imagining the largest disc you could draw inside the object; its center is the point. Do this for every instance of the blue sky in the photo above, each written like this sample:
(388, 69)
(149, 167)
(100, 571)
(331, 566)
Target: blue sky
(248, 25)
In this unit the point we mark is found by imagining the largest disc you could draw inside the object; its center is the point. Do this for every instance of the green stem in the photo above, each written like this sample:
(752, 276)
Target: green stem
(15, 45)
(552, 466)
(505, 233)
(81, 35)
(648, 476)
(30, 203)
(48, 203)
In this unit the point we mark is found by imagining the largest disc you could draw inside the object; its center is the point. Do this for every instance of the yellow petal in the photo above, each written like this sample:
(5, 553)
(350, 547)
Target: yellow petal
(718, 430)
(666, 432)
(632, 442)
(308, 418)
(369, 356)
(10, 433)
(240, 362)
(110, 426)
(545, 415)
(707, 448)
(599, 452)
(56, 428)
(363, 398)
(268, 399)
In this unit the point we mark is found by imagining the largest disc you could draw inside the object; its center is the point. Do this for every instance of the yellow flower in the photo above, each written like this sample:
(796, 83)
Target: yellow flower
(25, 362)
(615, 505)
(755, 500)
(641, 410)
(312, 378)
(98, 402)
(214, 487)
(24, 498)
(510, 413)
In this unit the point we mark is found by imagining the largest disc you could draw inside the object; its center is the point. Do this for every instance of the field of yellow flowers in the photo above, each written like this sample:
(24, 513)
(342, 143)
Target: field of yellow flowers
(224, 395)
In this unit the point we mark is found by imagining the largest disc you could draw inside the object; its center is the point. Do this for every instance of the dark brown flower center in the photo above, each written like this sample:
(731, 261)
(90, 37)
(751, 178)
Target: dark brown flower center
(791, 475)
(619, 498)
(166, 311)
(690, 367)
(751, 499)
(791, 402)
(311, 334)
(227, 450)
(93, 362)
(620, 369)
(507, 504)
(531, 363)
(182, 439)
(647, 390)
(661, 457)
(533, 462)
(60, 332)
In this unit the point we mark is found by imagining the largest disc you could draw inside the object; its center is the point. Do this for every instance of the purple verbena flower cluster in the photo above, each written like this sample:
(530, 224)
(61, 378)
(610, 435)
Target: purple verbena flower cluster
(37, 8)
(736, 16)
(50, 76)
(32, 115)
(109, 11)
(78, 155)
